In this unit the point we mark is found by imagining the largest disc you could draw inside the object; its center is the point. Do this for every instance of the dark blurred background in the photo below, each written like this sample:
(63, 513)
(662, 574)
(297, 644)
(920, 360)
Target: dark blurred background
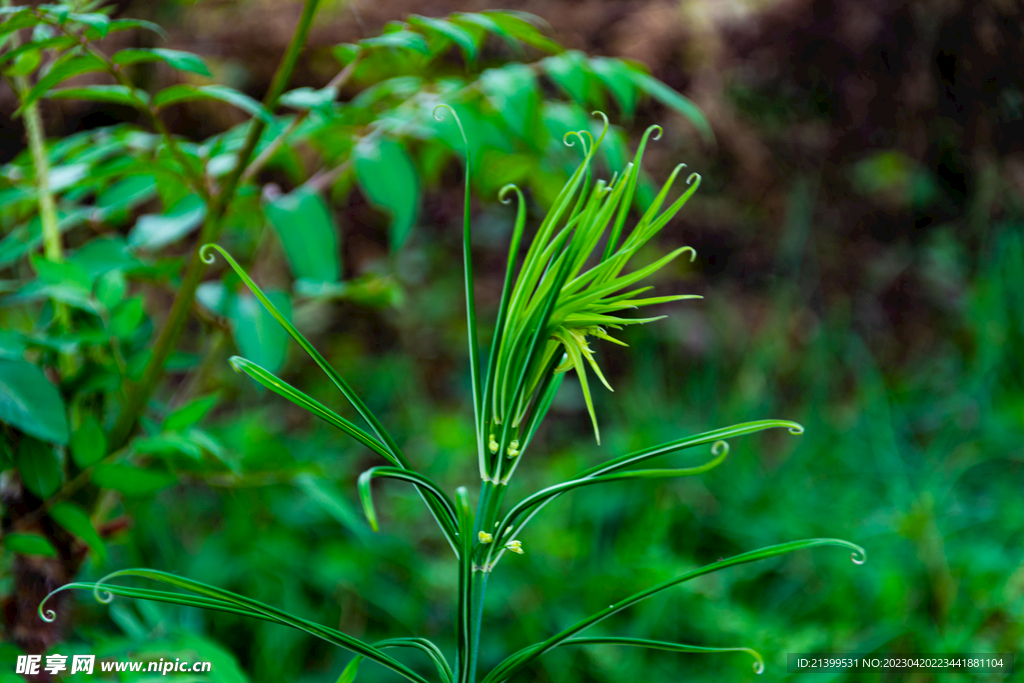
(859, 239)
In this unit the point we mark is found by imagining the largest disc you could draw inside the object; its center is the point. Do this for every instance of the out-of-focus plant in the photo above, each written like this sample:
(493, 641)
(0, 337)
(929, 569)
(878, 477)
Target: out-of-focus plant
(564, 291)
(95, 222)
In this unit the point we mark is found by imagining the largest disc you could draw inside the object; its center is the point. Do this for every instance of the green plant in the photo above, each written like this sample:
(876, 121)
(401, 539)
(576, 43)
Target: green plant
(99, 224)
(562, 292)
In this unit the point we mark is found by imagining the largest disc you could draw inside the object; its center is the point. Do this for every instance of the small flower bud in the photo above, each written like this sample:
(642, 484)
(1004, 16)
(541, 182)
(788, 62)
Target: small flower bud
(513, 449)
(492, 444)
(485, 537)
(515, 547)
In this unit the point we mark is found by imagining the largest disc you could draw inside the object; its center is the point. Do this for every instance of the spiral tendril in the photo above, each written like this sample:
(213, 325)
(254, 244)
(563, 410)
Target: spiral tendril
(503, 193)
(205, 255)
(718, 447)
(689, 180)
(759, 667)
(657, 135)
(863, 556)
(458, 122)
(796, 429)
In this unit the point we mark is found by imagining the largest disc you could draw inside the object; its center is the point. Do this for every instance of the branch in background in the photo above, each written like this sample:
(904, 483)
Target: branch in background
(172, 329)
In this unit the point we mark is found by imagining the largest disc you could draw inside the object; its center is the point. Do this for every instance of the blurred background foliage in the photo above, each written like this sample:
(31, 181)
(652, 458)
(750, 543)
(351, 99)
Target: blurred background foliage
(860, 240)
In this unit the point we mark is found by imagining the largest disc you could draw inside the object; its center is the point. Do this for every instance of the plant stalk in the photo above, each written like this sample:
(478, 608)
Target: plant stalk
(173, 327)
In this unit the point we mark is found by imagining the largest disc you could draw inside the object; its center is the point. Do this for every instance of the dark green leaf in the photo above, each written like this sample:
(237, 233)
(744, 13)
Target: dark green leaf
(516, 26)
(306, 229)
(88, 443)
(39, 467)
(29, 544)
(388, 177)
(190, 413)
(571, 72)
(30, 403)
(612, 73)
(74, 519)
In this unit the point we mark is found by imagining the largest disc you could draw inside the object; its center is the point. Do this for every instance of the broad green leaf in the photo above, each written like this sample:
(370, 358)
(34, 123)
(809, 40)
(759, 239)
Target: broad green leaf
(29, 544)
(571, 72)
(307, 231)
(182, 61)
(74, 519)
(94, 20)
(513, 92)
(154, 231)
(453, 32)
(105, 255)
(25, 63)
(167, 444)
(127, 194)
(515, 25)
(114, 94)
(388, 177)
(190, 413)
(308, 98)
(126, 317)
(129, 24)
(177, 94)
(257, 334)
(406, 40)
(130, 480)
(612, 73)
(39, 467)
(88, 443)
(64, 68)
(30, 403)
(61, 273)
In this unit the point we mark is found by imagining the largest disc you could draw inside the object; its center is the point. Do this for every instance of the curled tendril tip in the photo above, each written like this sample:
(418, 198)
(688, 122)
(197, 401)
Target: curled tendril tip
(503, 193)
(796, 429)
(693, 253)
(859, 560)
(689, 181)
(206, 255)
(720, 448)
(458, 122)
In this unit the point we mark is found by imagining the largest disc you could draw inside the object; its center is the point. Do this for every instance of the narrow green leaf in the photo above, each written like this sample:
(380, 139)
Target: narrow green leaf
(613, 74)
(449, 523)
(300, 399)
(307, 231)
(670, 647)
(518, 660)
(330, 499)
(210, 597)
(30, 403)
(515, 25)
(308, 98)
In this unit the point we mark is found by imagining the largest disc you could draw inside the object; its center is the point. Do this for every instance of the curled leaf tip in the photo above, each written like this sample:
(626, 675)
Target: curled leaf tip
(658, 130)
(693, 253)
(720, 448)
(692, 177)
(205, 253)
(796, 429)
(504, 192)
(458, 122)
(859, 556)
